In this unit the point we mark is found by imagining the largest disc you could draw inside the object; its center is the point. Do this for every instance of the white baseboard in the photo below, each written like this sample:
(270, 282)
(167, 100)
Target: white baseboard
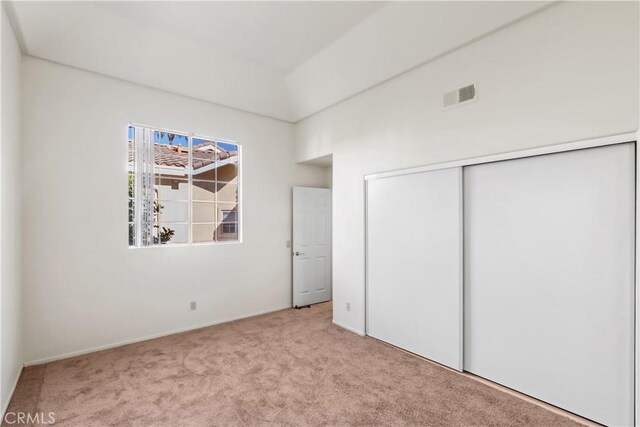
(146, 338)
(349, 328)
(5, 405)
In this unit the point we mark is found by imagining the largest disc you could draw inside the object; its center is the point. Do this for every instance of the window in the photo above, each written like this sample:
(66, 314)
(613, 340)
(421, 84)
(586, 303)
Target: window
(183, 188)
(229, 221)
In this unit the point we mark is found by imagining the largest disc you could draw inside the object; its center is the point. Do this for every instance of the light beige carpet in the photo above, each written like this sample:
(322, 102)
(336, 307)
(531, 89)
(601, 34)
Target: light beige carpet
(293, 367)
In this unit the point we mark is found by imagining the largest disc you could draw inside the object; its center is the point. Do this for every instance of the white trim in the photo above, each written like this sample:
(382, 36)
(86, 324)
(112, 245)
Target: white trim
(348, 328)
(159, 129)
(190, 189)
(547, 149)
(188, 245)
(5, 406)
(137, 211)
(150, 337)
(366, 258)
(637, 294)
(239, 189)
(461, 275)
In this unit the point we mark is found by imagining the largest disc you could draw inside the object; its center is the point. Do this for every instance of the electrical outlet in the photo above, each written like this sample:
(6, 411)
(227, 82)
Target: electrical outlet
(194, 305)
(348, 306)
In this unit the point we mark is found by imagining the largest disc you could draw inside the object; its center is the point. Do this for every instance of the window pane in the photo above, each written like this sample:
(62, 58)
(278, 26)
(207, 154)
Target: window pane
(229, 227)
(132, 149)
(171, 233)
(203, 233)
(227, 231)
(172, 188)
(204, 190)
(227, 193)
(171, 158)
(131, 188)
(132, 234)
(204, 212)
(132, 210)
(171, 211)
(228, 218)
(227, 210)
(227, 162)
(203, 159)
(227, 172)
(131, 185)
(144, 188)
(171, 155)
(229, 147)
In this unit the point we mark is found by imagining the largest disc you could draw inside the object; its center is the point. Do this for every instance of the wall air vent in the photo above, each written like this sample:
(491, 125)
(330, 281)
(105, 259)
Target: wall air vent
(459, 96)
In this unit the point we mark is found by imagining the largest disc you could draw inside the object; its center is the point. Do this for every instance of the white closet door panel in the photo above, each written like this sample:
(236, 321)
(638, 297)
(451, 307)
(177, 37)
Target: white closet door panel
(414, 259)
(549, 278)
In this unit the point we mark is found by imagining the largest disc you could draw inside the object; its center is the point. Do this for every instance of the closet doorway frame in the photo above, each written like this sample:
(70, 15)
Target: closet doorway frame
(629, 137)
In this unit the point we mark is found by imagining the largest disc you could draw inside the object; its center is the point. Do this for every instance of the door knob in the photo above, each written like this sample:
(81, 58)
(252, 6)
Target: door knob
(296, 253)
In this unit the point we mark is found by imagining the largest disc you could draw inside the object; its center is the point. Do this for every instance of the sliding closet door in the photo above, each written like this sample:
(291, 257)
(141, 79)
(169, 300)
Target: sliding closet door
(549, 278)
(414, 263)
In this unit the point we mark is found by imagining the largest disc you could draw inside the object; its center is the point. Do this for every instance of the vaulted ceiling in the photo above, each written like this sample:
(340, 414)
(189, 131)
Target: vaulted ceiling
(285, 60)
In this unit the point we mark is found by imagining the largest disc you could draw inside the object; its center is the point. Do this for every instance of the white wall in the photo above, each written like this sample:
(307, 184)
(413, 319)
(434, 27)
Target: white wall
(328, 176)
(395, 38)
(10, 215)
(252, 56)
(567, 73)
(84, 288)
(163, 59)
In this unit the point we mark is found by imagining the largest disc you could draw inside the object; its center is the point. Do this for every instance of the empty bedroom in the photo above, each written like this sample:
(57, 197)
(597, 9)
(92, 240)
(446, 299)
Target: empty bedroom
(319, 213)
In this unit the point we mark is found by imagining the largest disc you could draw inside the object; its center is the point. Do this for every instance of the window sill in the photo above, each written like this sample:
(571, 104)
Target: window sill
(187, 245)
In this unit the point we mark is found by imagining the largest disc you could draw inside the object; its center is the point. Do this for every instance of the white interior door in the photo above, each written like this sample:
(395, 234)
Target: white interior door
(549, 278)
(311, 245)
(414, 263)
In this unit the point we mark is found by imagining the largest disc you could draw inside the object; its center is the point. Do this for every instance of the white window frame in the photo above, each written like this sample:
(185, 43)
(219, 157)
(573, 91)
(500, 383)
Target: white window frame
(164, 170)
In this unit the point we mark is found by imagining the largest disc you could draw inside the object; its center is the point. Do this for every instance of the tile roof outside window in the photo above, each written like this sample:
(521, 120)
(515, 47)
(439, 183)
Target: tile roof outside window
(204, 154)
